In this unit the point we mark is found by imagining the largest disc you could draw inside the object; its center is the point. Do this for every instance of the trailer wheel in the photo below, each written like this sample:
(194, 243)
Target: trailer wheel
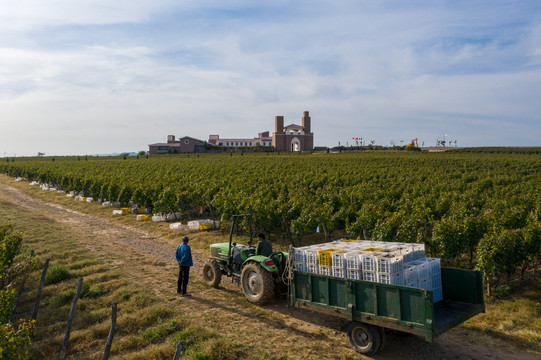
(383, 335)
(365, 338)
(257, 284)
(212, 275)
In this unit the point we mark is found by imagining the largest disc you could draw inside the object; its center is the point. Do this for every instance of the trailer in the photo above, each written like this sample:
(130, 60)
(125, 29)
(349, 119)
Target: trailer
(373, 307)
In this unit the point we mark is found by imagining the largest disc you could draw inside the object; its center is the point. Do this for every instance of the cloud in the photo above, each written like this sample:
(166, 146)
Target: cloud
(114, 76)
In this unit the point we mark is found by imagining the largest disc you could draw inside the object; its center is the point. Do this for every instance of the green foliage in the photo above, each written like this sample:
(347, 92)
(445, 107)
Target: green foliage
(13, 340)
(10, 245)
(56, 274)
(458, 204)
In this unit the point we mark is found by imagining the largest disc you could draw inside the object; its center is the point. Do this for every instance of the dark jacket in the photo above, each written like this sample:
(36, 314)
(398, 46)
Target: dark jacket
(264, 247)
(184, 254)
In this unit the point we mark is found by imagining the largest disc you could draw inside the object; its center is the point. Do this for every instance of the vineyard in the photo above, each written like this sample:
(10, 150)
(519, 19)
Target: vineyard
(480, 209)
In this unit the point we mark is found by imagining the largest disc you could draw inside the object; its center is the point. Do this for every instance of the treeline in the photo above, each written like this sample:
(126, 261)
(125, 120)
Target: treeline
(481, 209)
(499, 150)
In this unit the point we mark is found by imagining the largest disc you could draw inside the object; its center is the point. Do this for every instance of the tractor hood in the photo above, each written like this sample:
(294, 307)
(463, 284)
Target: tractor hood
(219, 250)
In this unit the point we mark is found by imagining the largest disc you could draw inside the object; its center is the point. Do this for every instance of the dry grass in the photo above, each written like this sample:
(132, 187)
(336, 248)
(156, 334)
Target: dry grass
(147, 328)
(515, 318)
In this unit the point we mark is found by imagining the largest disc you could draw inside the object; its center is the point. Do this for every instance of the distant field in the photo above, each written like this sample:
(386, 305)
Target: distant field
(466, 206)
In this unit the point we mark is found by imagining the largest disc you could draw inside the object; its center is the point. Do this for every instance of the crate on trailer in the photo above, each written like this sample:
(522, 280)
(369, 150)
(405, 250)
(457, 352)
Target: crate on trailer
(411, 278)
(338, 271)
(354, 274)
(393, 278)
(300, 256)
(353, 260)
(434, 268)
(372, 249)
(325, 270)
(312, 268)
(338, 259)
(434, 265)
(368, 262)
(300, 266)
(370, 276)
(389, 263)
(437, 294)
(423, 271)
(405, 251)
(325, 256)
(311, 256)
(418, 251)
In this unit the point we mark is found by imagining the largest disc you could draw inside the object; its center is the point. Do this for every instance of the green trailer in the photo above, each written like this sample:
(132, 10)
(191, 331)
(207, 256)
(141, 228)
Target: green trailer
(373, 307)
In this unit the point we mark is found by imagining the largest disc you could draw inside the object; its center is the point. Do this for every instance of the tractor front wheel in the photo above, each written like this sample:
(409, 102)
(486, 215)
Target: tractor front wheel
(257, 284)
(212, 274)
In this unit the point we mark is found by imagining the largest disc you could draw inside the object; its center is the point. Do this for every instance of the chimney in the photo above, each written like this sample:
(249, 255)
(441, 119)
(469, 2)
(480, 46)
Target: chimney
(170, 138)
(306, 123)
(279, 121)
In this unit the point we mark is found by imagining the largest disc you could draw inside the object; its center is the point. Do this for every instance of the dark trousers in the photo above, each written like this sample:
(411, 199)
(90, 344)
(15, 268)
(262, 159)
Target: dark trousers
(183, 277)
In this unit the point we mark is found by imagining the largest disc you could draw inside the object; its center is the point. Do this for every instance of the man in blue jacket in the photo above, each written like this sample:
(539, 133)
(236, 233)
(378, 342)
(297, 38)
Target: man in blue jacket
(184, 259)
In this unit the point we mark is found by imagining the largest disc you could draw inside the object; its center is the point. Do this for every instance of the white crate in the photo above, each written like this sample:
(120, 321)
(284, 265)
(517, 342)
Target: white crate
(414, 284)
(338, 271)
(338, 259)
(437, 294)
(423, 270)
(410, 275)
(353, 260)
(325, 270)
(425, 284)
(312, 268)
(434, 268)
(389, 263)
(368, 262)
(433, 265)
(300, 256)
(354, 274)
(300, 266)
(312, 256)
(418, 251)
(393, 279)
(370, 276)
(405, 251)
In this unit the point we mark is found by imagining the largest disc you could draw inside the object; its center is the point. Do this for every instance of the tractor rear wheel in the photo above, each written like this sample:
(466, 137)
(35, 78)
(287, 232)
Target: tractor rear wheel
(212, 274)
(257, 284)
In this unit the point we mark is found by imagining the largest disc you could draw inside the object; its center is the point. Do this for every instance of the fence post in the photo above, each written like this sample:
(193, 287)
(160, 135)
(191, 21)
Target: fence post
(70, 320)
(23, 281)
(111, 333)
(179, 350)
(38, 296)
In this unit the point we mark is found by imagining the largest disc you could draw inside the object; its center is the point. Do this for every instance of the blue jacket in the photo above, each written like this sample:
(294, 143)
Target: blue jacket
(184, 254)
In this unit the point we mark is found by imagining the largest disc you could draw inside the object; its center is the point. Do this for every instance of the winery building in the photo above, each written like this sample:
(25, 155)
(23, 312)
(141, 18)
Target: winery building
(184, 144)
(290, 138)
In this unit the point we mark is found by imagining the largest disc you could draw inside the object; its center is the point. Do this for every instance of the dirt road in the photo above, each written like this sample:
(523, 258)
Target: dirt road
(148, 261)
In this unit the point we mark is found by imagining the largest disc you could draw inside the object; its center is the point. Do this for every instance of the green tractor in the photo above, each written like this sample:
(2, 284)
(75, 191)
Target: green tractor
(260, 276)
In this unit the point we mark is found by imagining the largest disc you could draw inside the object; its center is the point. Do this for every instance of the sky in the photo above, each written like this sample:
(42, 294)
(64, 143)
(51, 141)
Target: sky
(102, 76)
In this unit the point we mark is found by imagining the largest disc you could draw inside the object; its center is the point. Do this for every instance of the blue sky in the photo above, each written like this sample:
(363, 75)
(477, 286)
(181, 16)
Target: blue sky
(100, 76)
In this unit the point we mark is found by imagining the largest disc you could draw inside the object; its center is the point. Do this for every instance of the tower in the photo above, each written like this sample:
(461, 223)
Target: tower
(279, 124)
(306, 122)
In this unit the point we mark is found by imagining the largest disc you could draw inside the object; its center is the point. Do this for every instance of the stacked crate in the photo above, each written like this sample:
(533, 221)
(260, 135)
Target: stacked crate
(376, 261)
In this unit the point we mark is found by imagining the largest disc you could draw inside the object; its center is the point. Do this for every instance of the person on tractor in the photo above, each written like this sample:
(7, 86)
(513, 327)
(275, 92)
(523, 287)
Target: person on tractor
(184, 260)
(264, 246)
